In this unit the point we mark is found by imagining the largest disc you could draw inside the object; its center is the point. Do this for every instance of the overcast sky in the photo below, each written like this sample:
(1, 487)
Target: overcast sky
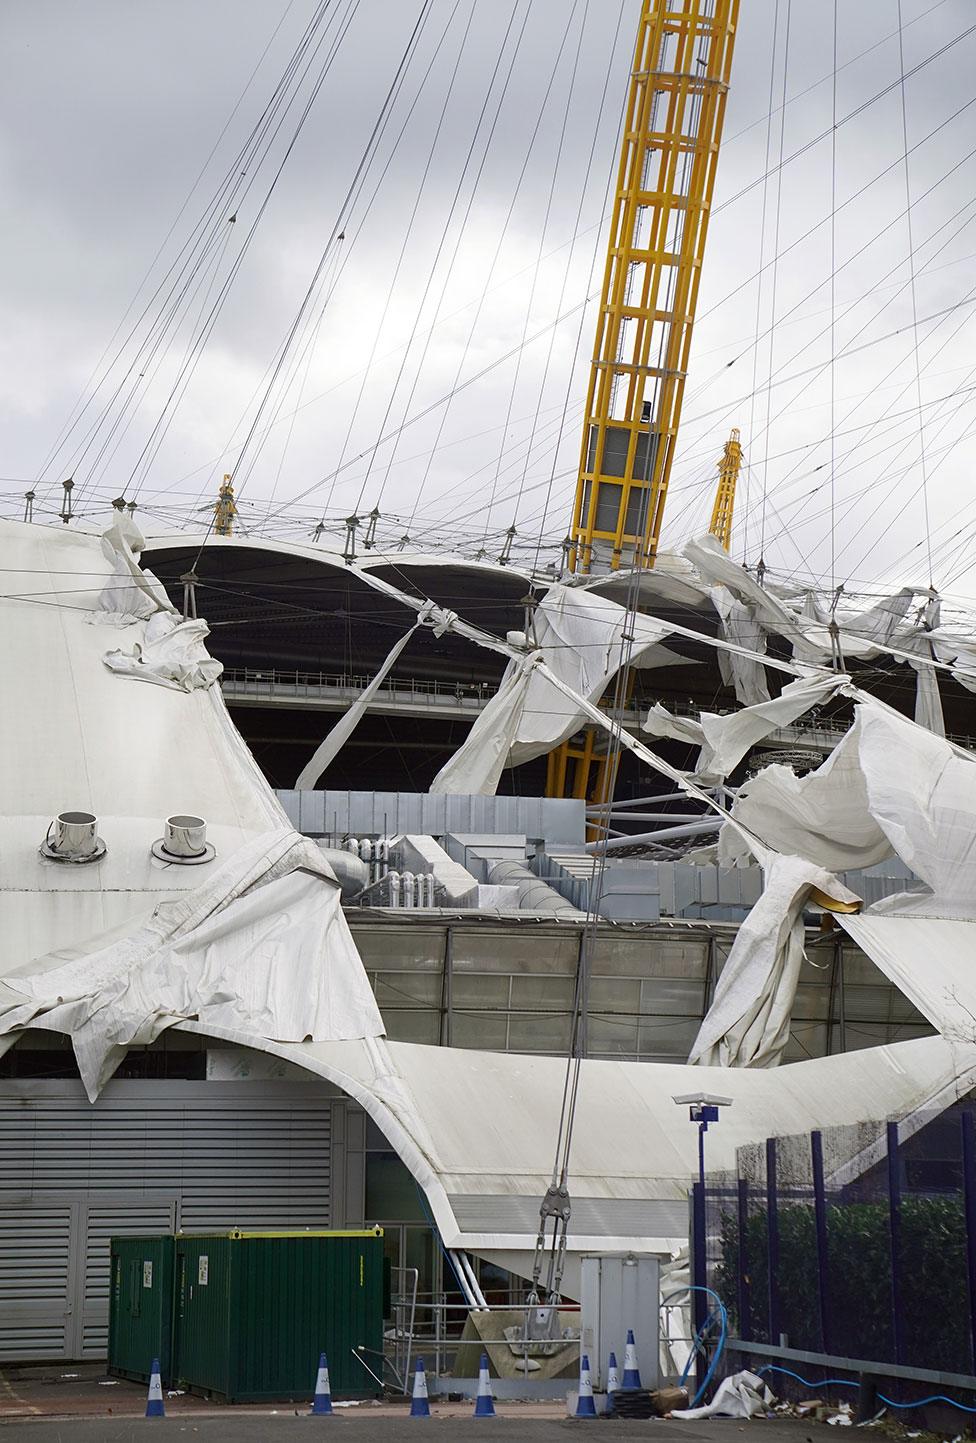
(481, 220)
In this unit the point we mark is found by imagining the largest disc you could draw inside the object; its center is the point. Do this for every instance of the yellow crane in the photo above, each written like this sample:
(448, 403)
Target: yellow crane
(728, 475)
(669, 151)
(225, 509)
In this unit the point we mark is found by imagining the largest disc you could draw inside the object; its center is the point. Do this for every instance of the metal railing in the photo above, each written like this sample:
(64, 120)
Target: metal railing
(428, 1326)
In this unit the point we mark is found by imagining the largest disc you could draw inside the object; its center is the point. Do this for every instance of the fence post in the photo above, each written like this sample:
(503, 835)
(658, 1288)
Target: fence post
(772, 1241)
(742, 1263)
(969, 1202)
(894, 1229)
(820, 1220)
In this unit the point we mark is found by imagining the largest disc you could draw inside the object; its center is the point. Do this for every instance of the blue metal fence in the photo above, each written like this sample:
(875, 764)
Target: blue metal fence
(850, 1242)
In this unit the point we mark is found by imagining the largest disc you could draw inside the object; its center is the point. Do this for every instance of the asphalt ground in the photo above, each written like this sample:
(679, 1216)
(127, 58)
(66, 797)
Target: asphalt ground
(80, 1405)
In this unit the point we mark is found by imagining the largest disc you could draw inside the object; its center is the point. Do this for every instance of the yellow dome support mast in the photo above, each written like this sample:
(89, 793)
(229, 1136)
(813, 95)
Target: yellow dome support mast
(728, 475)
(669, 153)
(225, 509)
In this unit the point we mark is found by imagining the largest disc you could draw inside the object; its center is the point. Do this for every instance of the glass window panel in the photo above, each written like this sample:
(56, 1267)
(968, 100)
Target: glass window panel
(546, 992)
(475, 989)
(667, 1039)
(407, 989)
(539, 1033)
(391, 1193)
(404, 1026)
(671, 997)
(614, 994)
(611, 1036)
(482, 1030)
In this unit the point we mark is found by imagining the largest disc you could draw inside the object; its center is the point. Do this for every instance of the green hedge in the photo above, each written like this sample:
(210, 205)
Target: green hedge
(934, 1297)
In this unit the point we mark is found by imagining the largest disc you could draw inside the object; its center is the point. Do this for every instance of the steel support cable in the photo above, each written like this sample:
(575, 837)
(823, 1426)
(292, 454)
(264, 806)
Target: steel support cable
(759, 272)
(775, 275)
(535, 271)
(440, 401)
(833, 317)
(428, 336)
(158, 432)
(459, 236)
(911, 263)
(884, 416)
(428, 284)
(879, 235)
(817, 371)
(163, 324)
(502, 236)
(83, 399)
(594, 253)
(570, 91)
(408, 232)
(348, 246)
(851, 115)
(217, 211)
(337, 226)
(347, 18)
(814, 228)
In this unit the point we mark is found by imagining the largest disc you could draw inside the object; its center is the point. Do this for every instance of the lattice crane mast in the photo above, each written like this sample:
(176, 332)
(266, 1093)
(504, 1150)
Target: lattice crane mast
(669, 151)
(673, 126)
(728, 475)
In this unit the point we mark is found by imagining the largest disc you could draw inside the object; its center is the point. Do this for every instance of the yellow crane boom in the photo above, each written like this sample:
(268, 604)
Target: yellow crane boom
(728, 475)
(672, 129)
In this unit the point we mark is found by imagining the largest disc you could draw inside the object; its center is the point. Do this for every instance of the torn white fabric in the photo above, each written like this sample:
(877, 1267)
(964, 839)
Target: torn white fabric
(476, 767)
(930, 961)
(582, 639)
(329, 748)
(725, 740)
(738, 624)
(172, 653)
(928, 699)
(823, 816)
(742, 1395)
(748, 1023)
(129, 594)
(261, 946)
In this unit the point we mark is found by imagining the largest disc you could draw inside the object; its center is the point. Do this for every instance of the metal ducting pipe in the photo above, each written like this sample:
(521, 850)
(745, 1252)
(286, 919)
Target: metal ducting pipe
(535, 895)
(666, 834)
(352, 873)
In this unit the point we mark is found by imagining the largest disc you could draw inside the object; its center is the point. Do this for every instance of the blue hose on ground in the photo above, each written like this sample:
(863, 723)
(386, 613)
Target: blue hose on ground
(846, 1383)
(723, 1317)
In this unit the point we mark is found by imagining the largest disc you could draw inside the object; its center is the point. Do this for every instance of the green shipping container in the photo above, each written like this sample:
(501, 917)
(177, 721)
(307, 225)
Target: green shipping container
(140, 1318)
(255, 1310)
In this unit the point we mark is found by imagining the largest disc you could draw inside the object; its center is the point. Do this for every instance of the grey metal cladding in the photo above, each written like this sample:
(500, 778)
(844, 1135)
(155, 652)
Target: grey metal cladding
(591, 1217)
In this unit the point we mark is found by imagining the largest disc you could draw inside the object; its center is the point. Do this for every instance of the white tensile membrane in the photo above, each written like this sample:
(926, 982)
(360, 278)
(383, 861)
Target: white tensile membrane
(889, 787)
(582, 639)
(725, 739)
(261, 947)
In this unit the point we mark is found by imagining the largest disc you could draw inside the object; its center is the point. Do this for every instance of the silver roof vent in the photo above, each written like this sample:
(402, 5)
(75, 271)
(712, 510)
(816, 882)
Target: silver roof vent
(73, 837)
(184, 841)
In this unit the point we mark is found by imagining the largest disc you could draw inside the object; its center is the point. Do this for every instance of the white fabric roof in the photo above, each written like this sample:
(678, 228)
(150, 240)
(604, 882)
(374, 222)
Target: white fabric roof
(478, 1129)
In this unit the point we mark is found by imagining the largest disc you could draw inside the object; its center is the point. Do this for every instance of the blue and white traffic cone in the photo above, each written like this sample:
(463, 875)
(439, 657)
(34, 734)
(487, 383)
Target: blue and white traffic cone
(613, 1381)
(585, 1406)
(322, 1402)
(419, 1406)
(485, 1405)
(154, 1403)
(631, 1371)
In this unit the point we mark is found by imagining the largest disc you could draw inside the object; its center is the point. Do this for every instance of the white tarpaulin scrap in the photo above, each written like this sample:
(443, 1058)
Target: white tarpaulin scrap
(748, 1023)
(823, 816)
(261, 945)
(738, 624)
(172, 653)
(329, 748)
(930, 960)
(581, 640)
(129, 593)
(725, 740)
(740, 1396)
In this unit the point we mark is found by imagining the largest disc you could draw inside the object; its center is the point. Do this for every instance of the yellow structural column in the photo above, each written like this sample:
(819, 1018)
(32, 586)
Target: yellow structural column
(728, 475)
(673, 127)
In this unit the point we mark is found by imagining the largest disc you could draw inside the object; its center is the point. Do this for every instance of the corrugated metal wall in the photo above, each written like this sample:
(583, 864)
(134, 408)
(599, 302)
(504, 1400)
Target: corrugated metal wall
(149, 1156)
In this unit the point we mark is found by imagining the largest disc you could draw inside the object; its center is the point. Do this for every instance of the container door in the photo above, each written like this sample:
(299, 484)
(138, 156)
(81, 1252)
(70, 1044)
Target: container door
(101, 1222)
